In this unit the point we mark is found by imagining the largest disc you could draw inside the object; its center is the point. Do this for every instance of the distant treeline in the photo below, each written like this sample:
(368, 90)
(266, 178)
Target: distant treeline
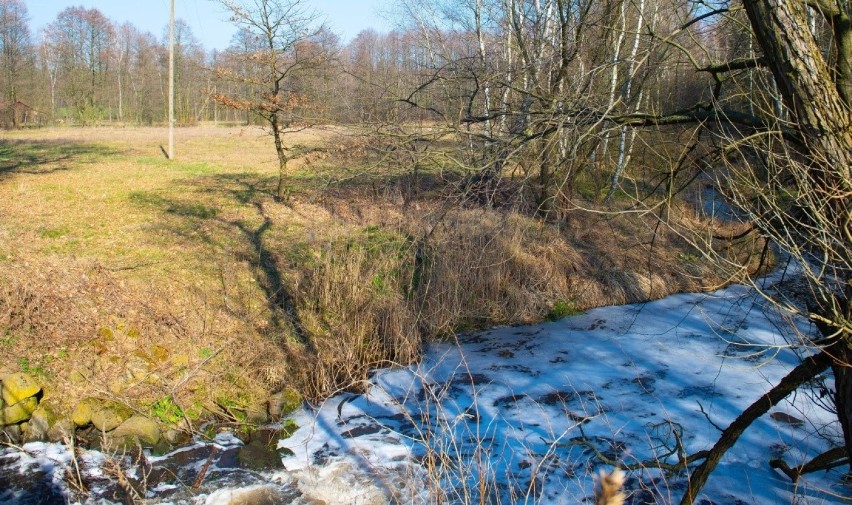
(84, 68)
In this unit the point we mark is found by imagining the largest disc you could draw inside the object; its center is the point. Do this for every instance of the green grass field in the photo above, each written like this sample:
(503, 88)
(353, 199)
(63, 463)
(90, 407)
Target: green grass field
(103, 236)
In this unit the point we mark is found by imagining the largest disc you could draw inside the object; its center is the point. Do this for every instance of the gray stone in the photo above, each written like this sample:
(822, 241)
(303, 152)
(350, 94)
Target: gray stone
(61, 430)
(39, 424)
(144, 429)
(11, 434)
(263, 495)
(172, 435)
(113, 444)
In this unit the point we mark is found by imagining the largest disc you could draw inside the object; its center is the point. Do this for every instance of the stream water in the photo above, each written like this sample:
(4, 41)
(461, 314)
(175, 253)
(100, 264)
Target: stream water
(512, 415)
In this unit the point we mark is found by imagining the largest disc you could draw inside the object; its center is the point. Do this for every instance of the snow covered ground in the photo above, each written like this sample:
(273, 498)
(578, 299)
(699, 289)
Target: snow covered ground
(530, 414)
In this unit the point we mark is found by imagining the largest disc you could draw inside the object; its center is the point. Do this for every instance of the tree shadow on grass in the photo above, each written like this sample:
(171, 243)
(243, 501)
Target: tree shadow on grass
(279, 298)
(247, 191)
(45, 156)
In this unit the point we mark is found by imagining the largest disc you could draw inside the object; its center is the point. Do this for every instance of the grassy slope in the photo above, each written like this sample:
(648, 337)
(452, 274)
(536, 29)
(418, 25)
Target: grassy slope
(123, 258)
(129, 276)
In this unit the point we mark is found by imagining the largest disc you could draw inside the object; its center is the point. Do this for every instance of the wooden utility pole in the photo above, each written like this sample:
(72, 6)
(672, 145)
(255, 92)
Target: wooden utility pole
(172, 82)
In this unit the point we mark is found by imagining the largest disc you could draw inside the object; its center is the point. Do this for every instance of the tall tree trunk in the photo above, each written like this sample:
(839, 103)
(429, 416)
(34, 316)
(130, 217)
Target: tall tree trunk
(842, 25)
(624, 151)
(613, 79)
(483, 63)
(819, 106)
(283, 157)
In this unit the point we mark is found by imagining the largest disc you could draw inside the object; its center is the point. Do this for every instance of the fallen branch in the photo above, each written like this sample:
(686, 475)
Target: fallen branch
(683, 460)
(825, 461)
(203, 472)
(807, 370)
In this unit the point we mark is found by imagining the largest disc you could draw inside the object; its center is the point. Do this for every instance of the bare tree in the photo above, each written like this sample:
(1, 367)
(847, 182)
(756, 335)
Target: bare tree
(190, 85)
(49, 60)
(284, 30)
(14, 47)
(83, 41)
(120, 52)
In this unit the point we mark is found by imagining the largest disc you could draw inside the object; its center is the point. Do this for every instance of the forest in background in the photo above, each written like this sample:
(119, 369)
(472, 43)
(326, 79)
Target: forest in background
(555, 91)
(86, 69)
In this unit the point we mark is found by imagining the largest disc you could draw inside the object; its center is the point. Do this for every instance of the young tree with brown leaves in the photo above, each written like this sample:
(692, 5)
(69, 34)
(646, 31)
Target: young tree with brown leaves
(286, 34)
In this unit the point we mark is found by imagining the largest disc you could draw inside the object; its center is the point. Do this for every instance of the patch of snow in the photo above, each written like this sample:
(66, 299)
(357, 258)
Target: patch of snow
(530, 413)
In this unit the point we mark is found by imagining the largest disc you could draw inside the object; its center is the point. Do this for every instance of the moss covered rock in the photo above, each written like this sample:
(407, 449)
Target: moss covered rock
(282, 403)
(82, 414)
(17, 387)
(19, 412)
(139, 427)
(257, 414)
(110, 416)
(259, 456)
(38, 427)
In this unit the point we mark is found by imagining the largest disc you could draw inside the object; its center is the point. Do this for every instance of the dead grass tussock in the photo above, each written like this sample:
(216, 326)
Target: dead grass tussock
(375, 292)
(354, 306)
(486, 268)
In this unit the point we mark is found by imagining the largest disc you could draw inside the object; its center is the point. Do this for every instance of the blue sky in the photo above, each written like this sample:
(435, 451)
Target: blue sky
(207, 19)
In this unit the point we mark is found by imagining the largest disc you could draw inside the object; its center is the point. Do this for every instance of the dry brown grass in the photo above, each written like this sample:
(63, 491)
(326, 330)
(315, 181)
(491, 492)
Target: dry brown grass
(128, 276)
(388, 280)
(116, 280)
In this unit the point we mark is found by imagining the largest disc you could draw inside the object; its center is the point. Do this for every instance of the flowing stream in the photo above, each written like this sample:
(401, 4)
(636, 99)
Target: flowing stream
(525, 414)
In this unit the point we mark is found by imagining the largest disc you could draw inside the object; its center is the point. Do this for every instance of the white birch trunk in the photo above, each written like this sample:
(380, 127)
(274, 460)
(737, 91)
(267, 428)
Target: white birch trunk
(625, 148)
(613, 79)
